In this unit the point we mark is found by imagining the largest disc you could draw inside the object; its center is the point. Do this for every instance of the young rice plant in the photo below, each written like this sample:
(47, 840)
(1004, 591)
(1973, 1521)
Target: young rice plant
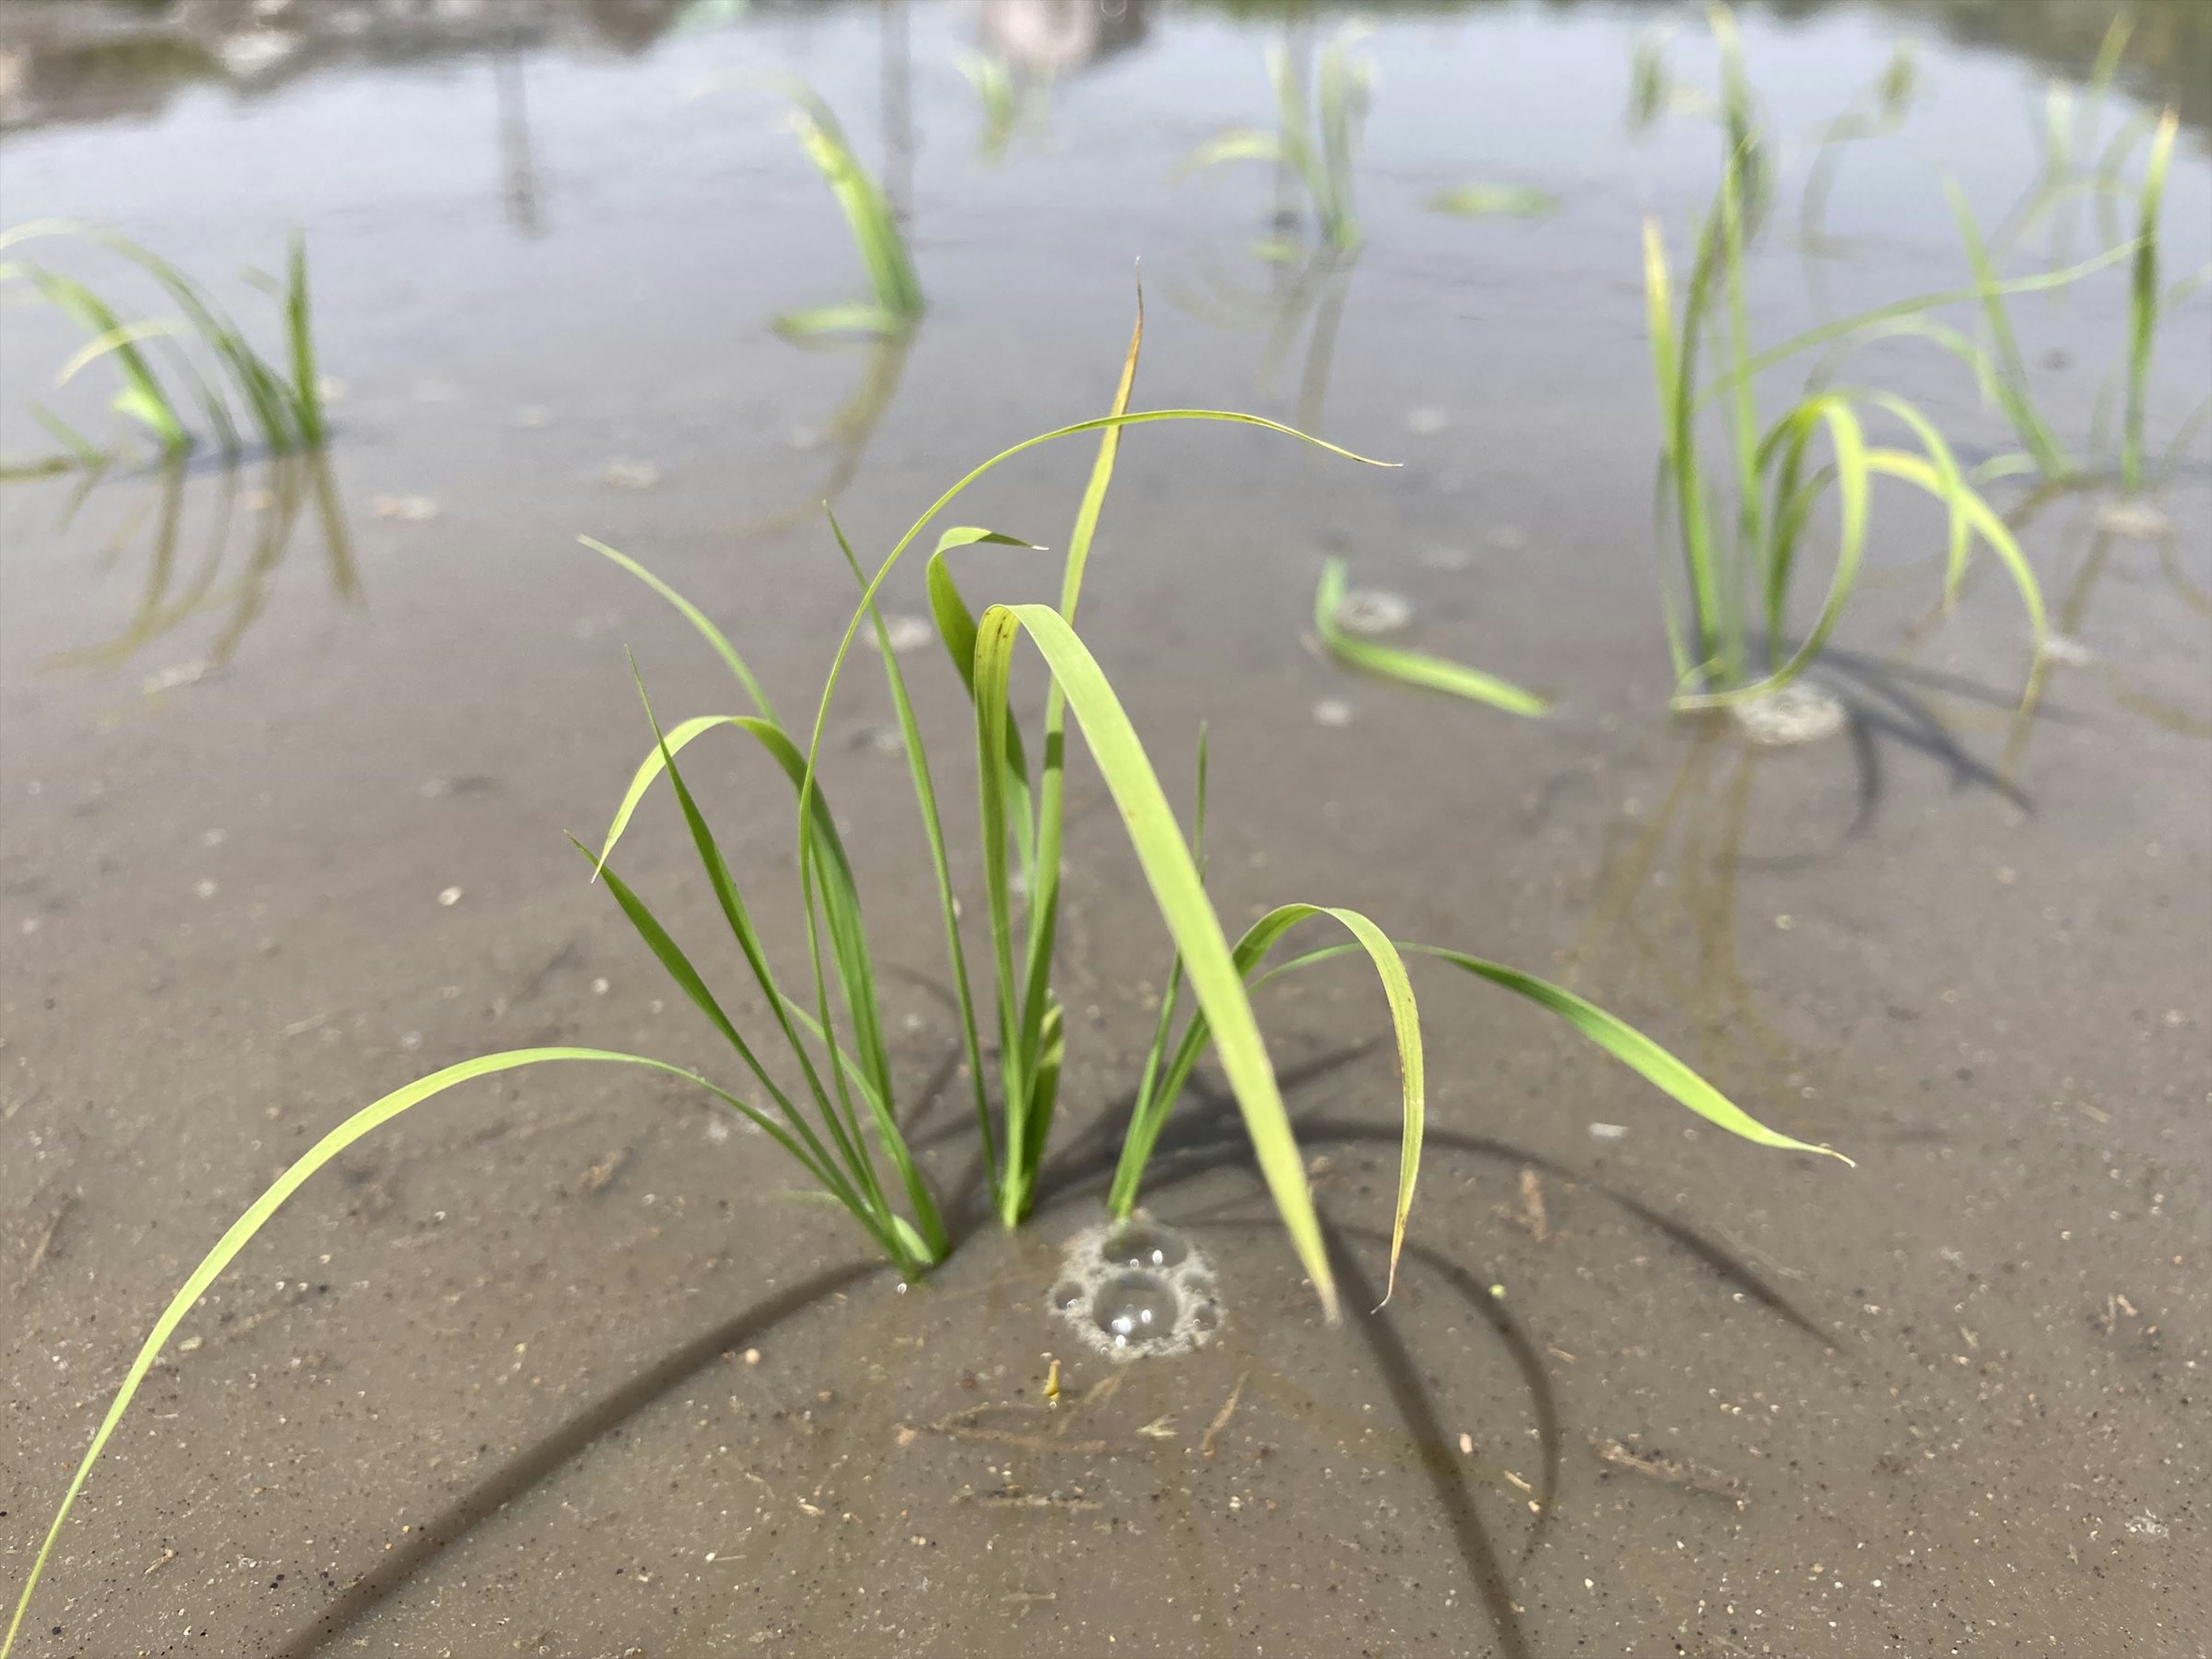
(817, 1079)
(237, 389)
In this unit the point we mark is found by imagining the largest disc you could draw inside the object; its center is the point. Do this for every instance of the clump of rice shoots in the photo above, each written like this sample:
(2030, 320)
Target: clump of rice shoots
(1317, 136)
(1008, 96)
(840, 1124)
(1742, 530)
(238, 390)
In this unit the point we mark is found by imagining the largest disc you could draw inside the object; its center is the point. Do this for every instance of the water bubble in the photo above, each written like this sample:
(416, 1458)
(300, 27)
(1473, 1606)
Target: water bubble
(1141, 1244)
(1136, 1306)
(1136, 1287)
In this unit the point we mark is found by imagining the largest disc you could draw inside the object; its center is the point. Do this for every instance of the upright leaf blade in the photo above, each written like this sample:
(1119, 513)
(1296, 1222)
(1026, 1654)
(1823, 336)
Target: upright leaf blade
(1181, 898)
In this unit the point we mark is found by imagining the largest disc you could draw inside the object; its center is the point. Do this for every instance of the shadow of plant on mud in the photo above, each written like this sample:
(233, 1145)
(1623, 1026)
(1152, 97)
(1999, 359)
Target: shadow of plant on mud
(1207, 1137)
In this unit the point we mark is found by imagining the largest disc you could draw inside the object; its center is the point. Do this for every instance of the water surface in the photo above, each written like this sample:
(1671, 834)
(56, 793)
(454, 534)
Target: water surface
(485, 1387)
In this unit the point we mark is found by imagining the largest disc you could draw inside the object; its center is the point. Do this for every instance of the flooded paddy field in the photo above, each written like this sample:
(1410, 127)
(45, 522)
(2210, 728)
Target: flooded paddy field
(564, 1363)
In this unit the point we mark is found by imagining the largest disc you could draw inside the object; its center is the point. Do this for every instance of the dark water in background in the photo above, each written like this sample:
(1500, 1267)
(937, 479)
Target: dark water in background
(241, 773)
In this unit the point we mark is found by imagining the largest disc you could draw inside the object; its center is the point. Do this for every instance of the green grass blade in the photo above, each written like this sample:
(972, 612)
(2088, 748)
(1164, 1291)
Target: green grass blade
(142, 398)
(810, 322)
(934, 829)
(1147, 1104)
(1341, 99)
(1751, 530)
(1236, 144)
(2035, 432)
(844, 1127)
(1631, 1047)
(1151, 1114)
(1408, 667)
(867, 212)
(955, 627)
(1712, 603)
(259, 386)
(816, 1158)
(1493, 200)
(1842, 326)
(115, 339)
(257, 1215)
(1181, 897)
(696, 617)
(1953, 489)
(1665, 370)
(1986, 523)
(850, 957)
(899, 549)
(1051, 806)
(299, 330)
(1848, 440)
(992, 663)
(2143, 302)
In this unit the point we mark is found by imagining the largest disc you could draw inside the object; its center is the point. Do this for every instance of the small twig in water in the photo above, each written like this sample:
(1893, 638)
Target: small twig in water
(1221, 1418)
(1671, 1470)
(962, 1425)
(1532, 1205)
(45, 1243)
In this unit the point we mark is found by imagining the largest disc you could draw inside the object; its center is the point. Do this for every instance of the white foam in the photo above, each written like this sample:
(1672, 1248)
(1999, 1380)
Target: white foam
(1135, 1324)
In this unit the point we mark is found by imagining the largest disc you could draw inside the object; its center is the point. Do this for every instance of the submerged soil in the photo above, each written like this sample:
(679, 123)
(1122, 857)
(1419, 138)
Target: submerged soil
(559, 1364)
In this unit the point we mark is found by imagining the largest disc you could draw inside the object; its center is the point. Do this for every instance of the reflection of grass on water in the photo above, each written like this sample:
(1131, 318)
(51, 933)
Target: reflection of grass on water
(832, 1104)
(848, 431)
(177, 590)
(237, 389)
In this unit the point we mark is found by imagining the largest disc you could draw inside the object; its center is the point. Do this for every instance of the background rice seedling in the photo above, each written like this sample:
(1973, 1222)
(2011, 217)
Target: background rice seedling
(1746, 553)
(238, 390)
(896, 302)
(1317, 136)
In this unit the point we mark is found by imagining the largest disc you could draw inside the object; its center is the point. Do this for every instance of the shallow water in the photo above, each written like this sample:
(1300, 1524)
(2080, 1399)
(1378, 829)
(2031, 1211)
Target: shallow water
(282, 828)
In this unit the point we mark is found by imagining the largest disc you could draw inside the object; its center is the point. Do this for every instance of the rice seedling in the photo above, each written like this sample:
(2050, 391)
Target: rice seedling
(896, 301)
(992, 78)
(1008, 96)
(1654, 92)
(1408, 667)
(829, 1100)
(282, 406)
(1999, 367)
(1741, 556)
(1317, 136)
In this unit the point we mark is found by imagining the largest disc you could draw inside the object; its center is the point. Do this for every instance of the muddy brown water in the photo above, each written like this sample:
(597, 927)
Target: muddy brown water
(558, 1365)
